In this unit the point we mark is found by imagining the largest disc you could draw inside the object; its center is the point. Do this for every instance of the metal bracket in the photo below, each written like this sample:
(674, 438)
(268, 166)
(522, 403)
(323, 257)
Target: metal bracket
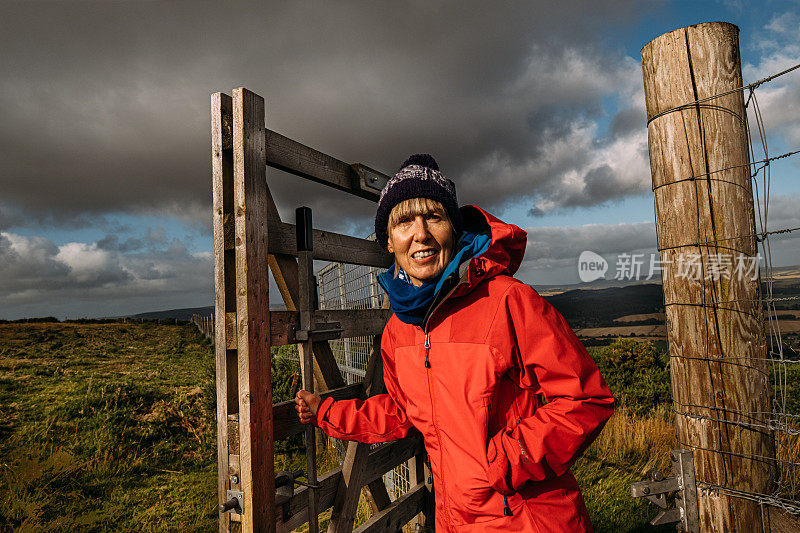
(321, 332)
(682, 483)
(370, 179)
(235, 503)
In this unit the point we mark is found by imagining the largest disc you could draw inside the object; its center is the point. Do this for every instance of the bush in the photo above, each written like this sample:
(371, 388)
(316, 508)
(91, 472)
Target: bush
(285, 362)
(637, 373)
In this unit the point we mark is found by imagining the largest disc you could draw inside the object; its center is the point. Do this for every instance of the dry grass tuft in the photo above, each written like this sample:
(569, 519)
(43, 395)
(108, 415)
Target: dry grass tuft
(628, 439)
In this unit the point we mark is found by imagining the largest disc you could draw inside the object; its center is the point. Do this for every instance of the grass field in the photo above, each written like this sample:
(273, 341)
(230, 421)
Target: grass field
(110, 427)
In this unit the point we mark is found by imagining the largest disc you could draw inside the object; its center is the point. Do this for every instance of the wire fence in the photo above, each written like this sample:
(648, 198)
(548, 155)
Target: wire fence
(778, 363)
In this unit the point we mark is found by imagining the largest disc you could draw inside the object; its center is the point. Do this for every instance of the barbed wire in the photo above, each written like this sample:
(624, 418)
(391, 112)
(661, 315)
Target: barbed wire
(789, 506)
(764, 162)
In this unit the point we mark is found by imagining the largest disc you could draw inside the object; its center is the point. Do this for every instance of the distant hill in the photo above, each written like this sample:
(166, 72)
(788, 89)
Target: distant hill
(597, 307)
(186, 313)
(180, 314)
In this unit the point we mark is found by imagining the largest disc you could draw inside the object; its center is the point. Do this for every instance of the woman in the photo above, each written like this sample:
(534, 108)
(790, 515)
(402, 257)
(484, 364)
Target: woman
(467, 356)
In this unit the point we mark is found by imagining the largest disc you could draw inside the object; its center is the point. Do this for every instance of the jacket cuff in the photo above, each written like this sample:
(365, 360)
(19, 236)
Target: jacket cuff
(322, 410)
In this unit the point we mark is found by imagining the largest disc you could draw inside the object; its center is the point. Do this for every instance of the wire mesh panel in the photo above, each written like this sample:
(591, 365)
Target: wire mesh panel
(345, 286)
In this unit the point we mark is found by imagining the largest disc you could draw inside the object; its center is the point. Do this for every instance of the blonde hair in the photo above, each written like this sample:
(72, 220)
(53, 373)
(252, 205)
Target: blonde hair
(411, 208)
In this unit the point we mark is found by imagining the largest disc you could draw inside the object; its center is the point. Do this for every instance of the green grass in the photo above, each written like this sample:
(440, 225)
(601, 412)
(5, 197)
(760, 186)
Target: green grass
(106, 427)
(111, 427)
(629, 446)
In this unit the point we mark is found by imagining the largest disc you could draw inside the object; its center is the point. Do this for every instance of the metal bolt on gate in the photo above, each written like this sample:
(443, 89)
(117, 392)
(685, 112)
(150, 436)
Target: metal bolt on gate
(682, 483)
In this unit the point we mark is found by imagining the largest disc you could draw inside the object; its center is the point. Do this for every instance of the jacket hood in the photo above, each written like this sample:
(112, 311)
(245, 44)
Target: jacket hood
(503, 256)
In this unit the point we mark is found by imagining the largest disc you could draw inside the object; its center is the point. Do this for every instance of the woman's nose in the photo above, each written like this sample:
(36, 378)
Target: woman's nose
(420, 229)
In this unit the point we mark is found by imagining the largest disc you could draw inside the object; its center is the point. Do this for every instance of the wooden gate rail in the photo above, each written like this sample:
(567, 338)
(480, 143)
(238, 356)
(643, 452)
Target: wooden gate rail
(250, 240)
(328, 245)
(353, 322)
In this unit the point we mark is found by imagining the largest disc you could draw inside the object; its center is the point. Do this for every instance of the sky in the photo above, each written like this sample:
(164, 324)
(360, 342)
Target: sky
(534, 109)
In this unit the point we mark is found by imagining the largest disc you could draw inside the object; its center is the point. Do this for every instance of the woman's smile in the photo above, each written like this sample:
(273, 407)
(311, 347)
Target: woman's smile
(424, 256)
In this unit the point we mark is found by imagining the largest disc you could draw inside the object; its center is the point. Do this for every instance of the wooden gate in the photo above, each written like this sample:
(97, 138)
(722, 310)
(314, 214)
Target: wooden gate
(249, 238)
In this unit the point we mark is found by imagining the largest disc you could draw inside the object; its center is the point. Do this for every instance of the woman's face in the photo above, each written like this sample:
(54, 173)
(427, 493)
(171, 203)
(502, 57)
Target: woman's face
(422, 244)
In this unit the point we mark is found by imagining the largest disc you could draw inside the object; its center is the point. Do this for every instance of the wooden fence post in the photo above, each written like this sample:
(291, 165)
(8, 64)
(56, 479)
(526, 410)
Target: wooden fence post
(256, 452)
(704, 209)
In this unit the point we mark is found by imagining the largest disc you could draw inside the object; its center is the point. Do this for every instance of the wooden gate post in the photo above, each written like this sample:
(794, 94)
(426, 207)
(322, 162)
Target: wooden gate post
(704, 209)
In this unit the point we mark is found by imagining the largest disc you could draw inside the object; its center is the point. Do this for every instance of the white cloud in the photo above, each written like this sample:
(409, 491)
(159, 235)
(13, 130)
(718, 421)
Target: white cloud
(40, 278)
(778, 99)
(89, 264)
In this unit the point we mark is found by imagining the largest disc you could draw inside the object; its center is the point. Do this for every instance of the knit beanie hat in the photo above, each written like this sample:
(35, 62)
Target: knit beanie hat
(418, 177)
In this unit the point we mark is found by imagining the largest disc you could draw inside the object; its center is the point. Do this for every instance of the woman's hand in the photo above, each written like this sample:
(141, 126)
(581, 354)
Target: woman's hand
(306, 405)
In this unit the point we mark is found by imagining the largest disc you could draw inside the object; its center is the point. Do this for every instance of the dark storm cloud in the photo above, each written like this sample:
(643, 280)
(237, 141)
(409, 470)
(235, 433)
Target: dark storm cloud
(105, 104)
(627, 121)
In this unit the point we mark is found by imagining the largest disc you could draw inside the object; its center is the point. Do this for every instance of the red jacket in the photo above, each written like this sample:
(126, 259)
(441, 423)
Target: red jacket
(495, 347)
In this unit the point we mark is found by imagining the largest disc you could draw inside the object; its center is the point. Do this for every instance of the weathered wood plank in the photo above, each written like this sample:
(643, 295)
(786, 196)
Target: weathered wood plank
(291, 156)
(233, 433)
(377, 496)
(278, 264)
(252, 310)
(354, 322)
(222, 202)
(390, 455)
(231, 338)
(328, 245)
(398, 513)
(297, 506)
(344, 507)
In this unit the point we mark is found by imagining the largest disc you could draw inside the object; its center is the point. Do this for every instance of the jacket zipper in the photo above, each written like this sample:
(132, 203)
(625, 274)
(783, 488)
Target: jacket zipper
(436, 427)
(425, 324)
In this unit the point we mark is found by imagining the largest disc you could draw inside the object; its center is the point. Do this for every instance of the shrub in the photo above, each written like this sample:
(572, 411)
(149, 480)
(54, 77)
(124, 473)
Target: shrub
(637, 373)
(285, 362)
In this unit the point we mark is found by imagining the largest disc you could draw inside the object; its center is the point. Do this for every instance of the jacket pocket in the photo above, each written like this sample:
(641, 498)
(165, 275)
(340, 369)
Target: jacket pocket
(465, 466)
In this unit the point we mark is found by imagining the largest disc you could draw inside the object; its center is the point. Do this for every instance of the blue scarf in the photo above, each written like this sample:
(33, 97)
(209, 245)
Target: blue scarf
(410, 303)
